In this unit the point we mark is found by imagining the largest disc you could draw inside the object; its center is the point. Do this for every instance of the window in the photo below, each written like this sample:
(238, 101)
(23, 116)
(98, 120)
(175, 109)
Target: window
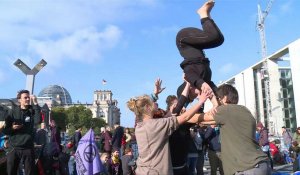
(286, 113)
(285, 104)
(284, 93)
(283, 83)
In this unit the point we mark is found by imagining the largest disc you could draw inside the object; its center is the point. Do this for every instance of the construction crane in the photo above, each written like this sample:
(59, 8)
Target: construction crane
(264, 71)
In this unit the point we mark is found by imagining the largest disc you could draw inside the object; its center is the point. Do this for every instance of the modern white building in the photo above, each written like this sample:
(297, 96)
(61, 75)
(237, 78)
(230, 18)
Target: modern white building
(283, 74)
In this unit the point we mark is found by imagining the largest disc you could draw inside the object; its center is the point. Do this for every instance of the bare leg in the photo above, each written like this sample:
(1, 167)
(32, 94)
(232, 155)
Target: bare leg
(204, 11)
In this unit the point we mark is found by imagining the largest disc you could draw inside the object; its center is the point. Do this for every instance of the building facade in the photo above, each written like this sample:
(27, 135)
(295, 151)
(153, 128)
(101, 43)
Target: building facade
(103, 106)
(270, 93)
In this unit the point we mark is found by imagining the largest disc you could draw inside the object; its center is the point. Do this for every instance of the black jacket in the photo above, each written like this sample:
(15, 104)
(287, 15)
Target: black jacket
(22, 138)
(117, 137)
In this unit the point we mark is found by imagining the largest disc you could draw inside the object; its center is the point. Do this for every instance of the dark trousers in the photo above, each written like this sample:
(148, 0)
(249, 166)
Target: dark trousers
(190, 43)
(181, 171)
(215, 162)
(200, 162)
(15, 156)
(271, 160)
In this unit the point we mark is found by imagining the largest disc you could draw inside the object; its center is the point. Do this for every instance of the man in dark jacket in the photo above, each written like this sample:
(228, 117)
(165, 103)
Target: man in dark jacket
(117, 137)
(77, 136)
(20, 129)
(55, 133)
(41, 137)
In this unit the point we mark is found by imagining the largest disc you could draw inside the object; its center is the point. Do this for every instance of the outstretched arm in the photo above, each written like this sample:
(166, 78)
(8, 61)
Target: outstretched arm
(183, 99)
(204, 118)
(190, 113)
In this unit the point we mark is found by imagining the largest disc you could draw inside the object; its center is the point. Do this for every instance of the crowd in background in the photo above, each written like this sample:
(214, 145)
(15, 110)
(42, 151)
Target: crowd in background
(281, 150)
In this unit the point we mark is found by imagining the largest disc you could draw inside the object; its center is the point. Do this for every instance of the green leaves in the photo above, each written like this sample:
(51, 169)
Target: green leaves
(74, 117)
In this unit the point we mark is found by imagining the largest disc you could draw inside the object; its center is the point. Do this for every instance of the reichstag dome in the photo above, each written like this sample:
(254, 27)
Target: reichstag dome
(56, 91)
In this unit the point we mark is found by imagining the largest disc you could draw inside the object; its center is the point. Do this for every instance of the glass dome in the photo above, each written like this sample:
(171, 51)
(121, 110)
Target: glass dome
(57, 92)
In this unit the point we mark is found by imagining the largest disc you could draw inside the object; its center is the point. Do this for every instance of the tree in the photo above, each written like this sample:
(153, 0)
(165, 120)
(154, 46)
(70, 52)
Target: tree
(59, 115)
(80, 116)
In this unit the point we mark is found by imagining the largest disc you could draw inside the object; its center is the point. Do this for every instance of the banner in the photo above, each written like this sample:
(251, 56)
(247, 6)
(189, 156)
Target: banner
(87, 156)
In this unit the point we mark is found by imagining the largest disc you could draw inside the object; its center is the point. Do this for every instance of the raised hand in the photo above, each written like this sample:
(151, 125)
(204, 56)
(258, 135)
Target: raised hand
(157, 88)
(206, 89)
(33, 99)
(203, 96)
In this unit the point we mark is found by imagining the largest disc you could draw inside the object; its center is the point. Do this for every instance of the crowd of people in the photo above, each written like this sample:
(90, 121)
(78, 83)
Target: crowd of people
(280, 151)
(29, 148)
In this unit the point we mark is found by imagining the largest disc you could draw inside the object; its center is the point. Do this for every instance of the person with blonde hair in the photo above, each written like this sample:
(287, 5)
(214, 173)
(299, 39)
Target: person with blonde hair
(152, 135)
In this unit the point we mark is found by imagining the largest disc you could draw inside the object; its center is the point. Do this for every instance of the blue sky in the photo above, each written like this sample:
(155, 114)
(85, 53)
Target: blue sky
(129, 43)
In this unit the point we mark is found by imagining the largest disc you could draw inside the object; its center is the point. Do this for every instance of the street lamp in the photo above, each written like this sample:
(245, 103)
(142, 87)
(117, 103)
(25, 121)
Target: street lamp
(30, 73)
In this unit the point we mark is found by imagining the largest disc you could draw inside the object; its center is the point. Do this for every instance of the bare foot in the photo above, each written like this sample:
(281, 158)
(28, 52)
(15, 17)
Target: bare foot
(204, 11)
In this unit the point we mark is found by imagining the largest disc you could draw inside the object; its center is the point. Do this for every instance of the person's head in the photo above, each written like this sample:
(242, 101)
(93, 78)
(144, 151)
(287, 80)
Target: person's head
(298, 130)
(171, 99)
(128, 151)
(295, 143)
(23, 97)
(117, 124)
(283, 129)
(104, 157)
(79, 129)
(127, 131)
(115, 152)
(273, 141)
(259, 126)
(43, 126)
(102, 129)
(227, 94)
(142, 106)
(52, 123)
(108, 128)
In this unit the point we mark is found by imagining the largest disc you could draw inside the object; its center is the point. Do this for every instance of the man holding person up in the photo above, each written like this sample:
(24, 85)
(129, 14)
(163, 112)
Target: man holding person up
(240, 154)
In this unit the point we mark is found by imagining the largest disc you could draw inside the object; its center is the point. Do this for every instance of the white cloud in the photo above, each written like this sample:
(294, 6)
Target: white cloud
(85, 45)
(65, 29)
(227, 68)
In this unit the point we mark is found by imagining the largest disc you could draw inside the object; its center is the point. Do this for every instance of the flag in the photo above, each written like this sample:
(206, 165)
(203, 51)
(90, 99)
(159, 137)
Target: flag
(87, 156)
(104, 82)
